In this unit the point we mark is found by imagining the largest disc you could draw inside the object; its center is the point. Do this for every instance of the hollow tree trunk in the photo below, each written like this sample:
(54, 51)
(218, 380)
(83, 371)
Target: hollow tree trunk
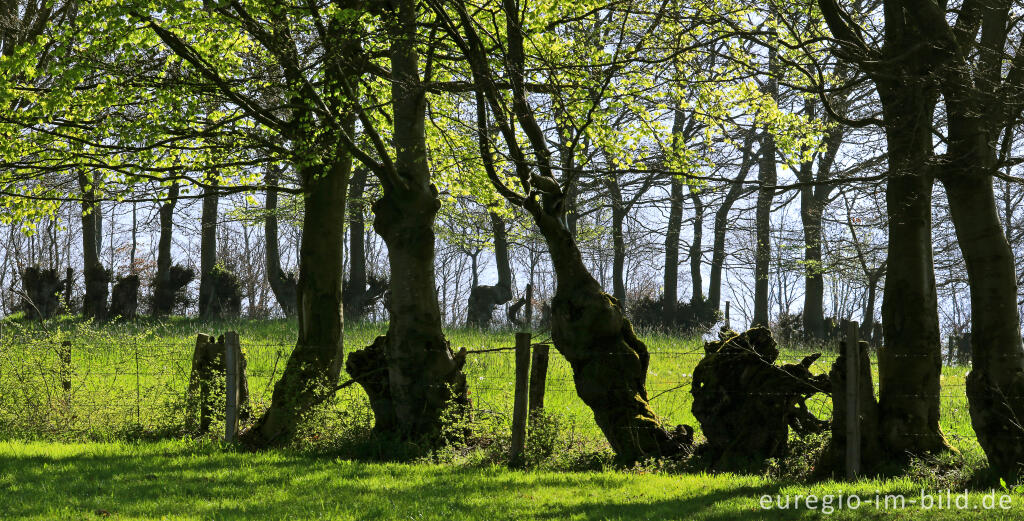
(696, 248)
(282, 285)
(910, 364)
(356, 293)
(97, 279)
(483, 299)
(609, 362)
(163, 290)
(208, 250)
(314, 365)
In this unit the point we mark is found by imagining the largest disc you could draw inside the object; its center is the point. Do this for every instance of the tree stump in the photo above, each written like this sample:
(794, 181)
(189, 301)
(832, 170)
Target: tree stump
(746, 403)
(42, 290)
(206, 390)
(870, 444)
(124, 298)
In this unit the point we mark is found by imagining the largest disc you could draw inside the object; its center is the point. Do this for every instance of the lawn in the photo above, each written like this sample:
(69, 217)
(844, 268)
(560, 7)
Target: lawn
(181, 480)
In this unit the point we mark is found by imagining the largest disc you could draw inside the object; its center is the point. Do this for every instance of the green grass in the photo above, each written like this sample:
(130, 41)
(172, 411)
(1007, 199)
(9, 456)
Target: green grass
(180, 480)
(71, 455)
(130, 378)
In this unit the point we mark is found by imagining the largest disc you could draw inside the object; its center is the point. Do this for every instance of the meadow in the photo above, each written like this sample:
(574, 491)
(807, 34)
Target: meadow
(114, 442)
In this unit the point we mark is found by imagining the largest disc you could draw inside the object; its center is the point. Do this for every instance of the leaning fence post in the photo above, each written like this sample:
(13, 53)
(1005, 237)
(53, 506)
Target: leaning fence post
(538, 376)
(852, 401)
(519, 407)
(232, 357)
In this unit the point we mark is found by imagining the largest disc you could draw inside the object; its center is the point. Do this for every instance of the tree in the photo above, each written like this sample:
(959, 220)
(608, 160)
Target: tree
(982, 104)
(910, 363)
(282, 284)
(588, 326)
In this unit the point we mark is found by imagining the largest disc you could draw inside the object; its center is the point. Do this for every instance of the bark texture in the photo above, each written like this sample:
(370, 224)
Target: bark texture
(745, 403)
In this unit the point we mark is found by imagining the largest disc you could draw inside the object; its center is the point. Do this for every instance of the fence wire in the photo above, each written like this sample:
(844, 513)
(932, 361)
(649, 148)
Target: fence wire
(99, 389)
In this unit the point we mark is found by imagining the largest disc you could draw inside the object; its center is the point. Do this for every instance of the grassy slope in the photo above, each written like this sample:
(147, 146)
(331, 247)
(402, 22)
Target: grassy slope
(180, 480)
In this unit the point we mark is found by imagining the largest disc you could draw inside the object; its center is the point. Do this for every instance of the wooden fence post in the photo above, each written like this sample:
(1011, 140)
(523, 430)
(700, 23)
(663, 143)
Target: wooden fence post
(519, 407)
(538, 376)
(232, 363)
(727, 314)
(853, 433)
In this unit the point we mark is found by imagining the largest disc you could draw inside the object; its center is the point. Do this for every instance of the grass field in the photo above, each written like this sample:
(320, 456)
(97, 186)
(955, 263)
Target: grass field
(183, 481)
(102, 447)
(131, 378)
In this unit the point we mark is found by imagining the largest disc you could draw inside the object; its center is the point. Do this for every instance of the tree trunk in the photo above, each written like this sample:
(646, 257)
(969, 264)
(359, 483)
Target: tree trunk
(670, 294)
(675, 222)
(814, 284)
(356, 293)
(910, 363)
(423, 375)
(995, 385)
(163, 290)
(696, 248)
(97, 278)
(609, 362)
(722, 224)
(282, 284)
(208, 250)
(618, 254)
(767, 177)
(314, 365)
(483, 299)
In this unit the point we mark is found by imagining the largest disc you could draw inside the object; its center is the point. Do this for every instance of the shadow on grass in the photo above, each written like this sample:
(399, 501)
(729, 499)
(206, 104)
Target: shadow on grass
(150, 482)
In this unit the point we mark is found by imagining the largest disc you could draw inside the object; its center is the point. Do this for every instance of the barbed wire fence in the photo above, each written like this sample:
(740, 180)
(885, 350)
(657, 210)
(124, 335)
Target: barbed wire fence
(90, 389)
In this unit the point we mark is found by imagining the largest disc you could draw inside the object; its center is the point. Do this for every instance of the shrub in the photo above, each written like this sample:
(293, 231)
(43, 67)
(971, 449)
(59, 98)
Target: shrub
(689, 317)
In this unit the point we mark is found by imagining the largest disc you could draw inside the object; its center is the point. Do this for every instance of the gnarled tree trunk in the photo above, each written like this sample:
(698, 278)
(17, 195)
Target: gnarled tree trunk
(314, 365)
(483, 299)
(423, 375)
(421, 372)
(609, 362)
